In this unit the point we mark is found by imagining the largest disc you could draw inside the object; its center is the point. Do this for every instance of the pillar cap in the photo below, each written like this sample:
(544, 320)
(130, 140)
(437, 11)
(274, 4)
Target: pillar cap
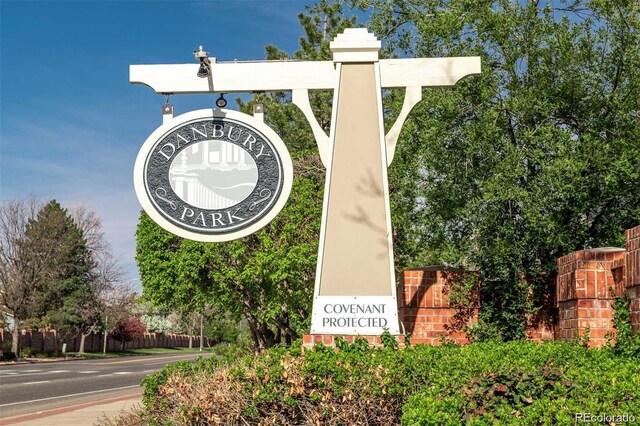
(604, 250)
(355, 45)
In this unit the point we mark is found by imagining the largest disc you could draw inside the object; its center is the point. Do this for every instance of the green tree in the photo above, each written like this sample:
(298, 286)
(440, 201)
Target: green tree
(536, 157)
(65, 281)
(266, 277)
(174, 272)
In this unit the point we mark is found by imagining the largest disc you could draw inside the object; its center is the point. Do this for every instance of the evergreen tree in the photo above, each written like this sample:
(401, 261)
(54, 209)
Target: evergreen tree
(65, 280)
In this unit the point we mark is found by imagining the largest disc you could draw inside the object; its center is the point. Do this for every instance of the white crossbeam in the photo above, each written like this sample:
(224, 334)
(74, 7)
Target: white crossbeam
(229, 77)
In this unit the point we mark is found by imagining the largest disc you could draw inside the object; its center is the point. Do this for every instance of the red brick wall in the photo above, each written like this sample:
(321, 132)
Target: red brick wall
(584, 298)
(541, 326)
(424, 309)
(632, 274)
(310, 340)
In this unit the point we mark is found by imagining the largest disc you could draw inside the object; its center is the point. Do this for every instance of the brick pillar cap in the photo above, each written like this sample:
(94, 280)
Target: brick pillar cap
(438, 268)
(604, 250)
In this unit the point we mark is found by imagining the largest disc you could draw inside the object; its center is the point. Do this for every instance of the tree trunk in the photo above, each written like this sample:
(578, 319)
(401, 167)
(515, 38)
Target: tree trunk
(106, 333)
(267, 336)
(82, 339)
(15, 337)
(254, 333)
(190, 341)
(122, 346)
(201, 331)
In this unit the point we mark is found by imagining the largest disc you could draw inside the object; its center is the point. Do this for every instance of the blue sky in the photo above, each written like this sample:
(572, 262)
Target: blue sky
(71, 124)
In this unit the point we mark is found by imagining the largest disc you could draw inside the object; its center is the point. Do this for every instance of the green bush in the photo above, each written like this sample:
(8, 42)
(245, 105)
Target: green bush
(27, 351)
(627, 344)
(547, 385)
(484, 383)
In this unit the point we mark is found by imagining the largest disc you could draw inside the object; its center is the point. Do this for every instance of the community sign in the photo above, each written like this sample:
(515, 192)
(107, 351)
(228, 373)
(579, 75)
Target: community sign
(213, 175)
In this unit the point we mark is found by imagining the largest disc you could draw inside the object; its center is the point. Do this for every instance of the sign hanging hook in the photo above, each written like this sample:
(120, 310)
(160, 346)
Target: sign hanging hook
(221, 102)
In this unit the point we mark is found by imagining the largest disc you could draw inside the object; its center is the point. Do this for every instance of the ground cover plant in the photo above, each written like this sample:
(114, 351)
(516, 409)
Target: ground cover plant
(484, 383)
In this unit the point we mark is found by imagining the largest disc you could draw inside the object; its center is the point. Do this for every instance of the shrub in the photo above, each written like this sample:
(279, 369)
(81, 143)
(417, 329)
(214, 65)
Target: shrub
(547, 386)
(484, 383)
(627, 344)
(6, 354)
(128, 329)
(27, 351)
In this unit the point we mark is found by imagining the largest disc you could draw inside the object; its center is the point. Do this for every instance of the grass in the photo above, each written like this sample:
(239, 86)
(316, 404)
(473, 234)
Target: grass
(143, 351)
(36, 356)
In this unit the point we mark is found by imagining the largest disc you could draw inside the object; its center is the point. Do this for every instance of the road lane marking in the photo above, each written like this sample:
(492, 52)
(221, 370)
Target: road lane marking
(18, 371)
(105, 375)
(44, 373)
(35, 383)
(123, 372)
(67, 396)
(87, 372)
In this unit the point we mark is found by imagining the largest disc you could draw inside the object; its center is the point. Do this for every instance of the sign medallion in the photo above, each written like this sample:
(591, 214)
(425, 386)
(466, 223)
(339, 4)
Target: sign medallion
(213, 175)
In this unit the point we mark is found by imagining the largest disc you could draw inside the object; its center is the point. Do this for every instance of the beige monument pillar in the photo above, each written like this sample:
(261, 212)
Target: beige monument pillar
(355, 282)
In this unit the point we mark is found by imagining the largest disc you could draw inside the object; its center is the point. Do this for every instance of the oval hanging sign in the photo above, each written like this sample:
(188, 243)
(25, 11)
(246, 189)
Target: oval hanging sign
(213, 175)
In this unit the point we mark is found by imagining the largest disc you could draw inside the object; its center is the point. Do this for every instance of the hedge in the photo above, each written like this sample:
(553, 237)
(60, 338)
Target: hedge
(484, 383)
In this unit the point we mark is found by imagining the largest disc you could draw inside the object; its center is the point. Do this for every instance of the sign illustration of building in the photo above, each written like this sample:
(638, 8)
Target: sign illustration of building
(355, 289)
(213, 175)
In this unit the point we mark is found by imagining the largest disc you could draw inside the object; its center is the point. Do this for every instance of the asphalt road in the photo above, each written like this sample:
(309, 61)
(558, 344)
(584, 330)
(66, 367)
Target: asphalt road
(30, 388)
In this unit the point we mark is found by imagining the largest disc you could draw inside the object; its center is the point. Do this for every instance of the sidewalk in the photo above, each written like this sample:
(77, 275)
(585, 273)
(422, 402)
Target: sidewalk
(86, 414)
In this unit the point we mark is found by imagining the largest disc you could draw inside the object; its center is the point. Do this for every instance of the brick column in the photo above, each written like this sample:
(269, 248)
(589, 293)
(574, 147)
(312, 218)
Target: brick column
(583, 294)
(424, 309)
(632, 274)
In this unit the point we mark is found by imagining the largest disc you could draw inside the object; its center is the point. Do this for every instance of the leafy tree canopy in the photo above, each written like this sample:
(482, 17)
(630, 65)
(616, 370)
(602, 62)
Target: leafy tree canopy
(536, 157)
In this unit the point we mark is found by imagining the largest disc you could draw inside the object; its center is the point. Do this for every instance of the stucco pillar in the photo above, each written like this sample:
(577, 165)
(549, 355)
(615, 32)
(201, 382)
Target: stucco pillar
(355, 272)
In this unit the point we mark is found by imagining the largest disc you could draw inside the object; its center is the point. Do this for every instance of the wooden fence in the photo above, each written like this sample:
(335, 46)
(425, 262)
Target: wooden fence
(48, 341)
